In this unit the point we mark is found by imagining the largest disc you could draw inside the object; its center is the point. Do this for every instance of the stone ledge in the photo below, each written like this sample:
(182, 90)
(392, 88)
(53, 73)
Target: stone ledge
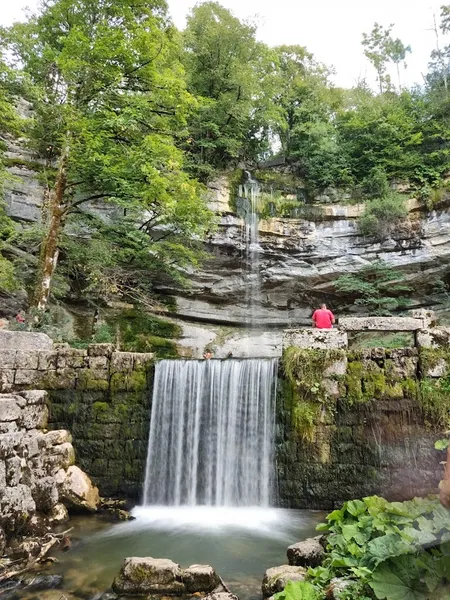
(315, 339)
(381, 324)
(24, 340)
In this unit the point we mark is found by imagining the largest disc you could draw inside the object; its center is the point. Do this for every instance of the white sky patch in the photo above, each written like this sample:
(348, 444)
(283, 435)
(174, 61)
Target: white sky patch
(330, 29)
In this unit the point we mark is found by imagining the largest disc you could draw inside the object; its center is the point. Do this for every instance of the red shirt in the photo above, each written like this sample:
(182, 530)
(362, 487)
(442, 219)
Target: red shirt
(323, 319)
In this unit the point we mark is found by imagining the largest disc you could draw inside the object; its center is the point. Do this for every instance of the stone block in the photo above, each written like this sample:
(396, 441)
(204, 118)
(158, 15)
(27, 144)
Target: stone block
(26, 360)
(98, 363)
(6, 380)
(380, 324)
(438, 337)
(440, 369)
(34, 396)
(320, 339)
(143, 359)
(7, 359)
(9, 408)
(13, 471)
(27, 377)
(16, 505)
(9, 442)
(47, 360)
(45, 494)
(101, 350)
(74, 361)
(122, 361)
(24, 340)
(54, 438)
(331, 388)
(34, 416)
(66, 453)
(428, 316)
(149, 576)
(66, 378)
(9, 427)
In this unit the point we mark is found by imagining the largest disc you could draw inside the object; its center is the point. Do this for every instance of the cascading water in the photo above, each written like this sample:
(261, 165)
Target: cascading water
(212, 433)
(250, 192)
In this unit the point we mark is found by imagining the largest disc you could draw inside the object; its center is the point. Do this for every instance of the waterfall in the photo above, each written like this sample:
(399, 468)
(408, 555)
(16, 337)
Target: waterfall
(250, 191)
(212, 433)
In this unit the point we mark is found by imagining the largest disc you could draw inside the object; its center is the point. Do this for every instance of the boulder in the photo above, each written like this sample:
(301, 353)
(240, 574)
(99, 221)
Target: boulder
(276, 578)
(338, 586)
(78, 492)
(309, 553)
(149, 576)
(200, 578)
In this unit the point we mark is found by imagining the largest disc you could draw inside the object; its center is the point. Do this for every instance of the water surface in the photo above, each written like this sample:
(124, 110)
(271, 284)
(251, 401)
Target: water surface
(240, 543)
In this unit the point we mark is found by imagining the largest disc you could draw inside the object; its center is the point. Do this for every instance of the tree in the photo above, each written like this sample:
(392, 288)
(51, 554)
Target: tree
(109, 98)
(377, 286)
(307, 105)
(222, 60)
(380, 48)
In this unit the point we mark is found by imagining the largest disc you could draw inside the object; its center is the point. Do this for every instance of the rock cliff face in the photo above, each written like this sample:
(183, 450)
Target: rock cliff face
(299, 259)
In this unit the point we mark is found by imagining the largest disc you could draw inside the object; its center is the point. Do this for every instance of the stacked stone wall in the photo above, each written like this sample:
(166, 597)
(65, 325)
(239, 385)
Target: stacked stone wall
(37, 472)
(371, 434)
(101, 396)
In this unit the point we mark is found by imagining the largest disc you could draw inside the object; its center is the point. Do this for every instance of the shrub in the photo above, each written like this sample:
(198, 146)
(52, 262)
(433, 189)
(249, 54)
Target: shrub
(382, 216)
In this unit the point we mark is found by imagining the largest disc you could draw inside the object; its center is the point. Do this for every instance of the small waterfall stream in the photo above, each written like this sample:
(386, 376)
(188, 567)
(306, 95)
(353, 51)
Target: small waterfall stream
(212, 433)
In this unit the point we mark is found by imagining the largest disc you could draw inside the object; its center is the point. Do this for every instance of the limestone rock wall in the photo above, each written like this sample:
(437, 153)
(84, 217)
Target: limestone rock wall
(102, 397)
(35, 464)
(371, 435)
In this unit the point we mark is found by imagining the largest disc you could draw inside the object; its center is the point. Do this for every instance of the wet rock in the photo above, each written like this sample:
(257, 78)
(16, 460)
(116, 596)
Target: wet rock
(276, 578)
(59, 514)
(149, 576)
(221, 596)
(109, 596)
(200, 578)
(43, 582)
(77, 490)
(309, 553)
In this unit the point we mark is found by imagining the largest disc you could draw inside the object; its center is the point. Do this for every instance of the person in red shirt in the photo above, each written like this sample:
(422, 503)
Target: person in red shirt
(323, 318)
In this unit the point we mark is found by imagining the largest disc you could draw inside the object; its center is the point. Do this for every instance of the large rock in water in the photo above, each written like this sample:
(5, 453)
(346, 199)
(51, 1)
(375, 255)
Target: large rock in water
(309, 553)
(77, 490)
(140, 576)
(276, 578)
(200, 578)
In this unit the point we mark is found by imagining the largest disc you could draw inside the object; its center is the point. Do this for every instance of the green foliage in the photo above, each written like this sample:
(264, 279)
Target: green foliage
(304, 370)
(298, 590)
(224, 65)
(434, 397)
(442, 444)
(386, 340)
(110, 101)
(395, 550)
(377, 287)
(382, 216)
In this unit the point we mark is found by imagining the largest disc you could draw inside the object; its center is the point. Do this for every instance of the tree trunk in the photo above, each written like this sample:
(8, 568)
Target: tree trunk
(444, 486)
(50, 245)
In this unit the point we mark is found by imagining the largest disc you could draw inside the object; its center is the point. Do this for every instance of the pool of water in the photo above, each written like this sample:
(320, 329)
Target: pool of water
(240, 543)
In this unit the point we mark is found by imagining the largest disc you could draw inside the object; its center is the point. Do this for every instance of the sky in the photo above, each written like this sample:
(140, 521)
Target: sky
(330, 29)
